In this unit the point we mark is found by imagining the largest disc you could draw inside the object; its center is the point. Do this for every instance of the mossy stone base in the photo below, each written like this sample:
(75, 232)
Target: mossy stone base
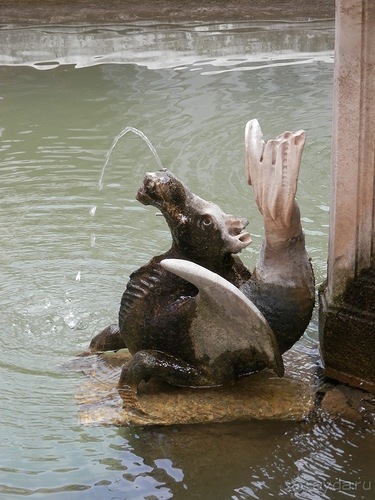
(262, 396)
(347, 334)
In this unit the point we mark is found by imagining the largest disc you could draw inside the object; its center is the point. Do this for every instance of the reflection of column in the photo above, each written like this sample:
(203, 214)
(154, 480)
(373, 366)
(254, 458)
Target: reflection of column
(347, 303)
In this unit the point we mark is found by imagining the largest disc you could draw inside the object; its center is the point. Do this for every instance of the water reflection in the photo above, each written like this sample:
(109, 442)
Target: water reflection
(239, 461)
(166, 46)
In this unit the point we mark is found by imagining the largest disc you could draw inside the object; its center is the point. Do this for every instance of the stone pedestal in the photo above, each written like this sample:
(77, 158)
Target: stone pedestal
(347, 316)
(262, 396)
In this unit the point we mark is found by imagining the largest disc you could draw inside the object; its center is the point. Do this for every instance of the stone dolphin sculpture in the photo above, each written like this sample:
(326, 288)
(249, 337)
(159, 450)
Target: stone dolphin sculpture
(238, 322)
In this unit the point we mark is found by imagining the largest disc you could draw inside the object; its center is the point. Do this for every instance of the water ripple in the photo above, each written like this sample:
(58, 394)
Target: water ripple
(65, 265)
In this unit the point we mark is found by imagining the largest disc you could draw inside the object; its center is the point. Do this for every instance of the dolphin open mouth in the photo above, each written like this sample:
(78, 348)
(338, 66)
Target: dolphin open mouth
(238, 242)
(245, 238)
(237, 236)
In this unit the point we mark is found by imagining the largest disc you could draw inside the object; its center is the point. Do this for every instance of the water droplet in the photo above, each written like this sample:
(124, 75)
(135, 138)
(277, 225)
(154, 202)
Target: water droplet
(71, 320)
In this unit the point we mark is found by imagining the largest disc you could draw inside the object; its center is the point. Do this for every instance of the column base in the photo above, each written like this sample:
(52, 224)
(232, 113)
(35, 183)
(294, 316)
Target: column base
(347, 333)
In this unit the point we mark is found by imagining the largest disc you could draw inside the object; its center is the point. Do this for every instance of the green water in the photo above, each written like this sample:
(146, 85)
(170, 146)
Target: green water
(67, 248)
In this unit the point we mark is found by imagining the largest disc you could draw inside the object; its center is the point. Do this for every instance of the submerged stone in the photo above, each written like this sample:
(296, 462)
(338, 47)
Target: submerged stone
(262, 396)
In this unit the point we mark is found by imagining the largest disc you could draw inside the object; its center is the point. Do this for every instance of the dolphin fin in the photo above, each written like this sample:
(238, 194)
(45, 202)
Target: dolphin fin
(226, 321)
(272, 169)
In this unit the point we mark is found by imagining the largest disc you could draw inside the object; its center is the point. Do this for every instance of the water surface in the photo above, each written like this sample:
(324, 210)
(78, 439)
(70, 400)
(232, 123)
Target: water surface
(67, 248)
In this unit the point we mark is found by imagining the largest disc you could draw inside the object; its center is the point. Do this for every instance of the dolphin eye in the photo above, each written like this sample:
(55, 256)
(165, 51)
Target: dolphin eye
(206, 220)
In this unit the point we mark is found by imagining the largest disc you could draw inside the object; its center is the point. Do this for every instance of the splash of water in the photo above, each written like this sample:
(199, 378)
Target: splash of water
(115, 141)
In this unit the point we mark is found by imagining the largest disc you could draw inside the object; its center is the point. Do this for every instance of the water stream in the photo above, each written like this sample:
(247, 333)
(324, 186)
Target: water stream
(114, 143)
(64, 95)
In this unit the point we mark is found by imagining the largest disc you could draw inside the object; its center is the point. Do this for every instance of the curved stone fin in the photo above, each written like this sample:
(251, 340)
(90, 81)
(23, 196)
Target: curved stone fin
(108, 339)
(272, 169)
(226, 321)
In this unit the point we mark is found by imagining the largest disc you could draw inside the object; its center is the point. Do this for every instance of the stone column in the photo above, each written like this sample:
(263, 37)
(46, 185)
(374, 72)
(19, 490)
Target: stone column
(347, 300)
